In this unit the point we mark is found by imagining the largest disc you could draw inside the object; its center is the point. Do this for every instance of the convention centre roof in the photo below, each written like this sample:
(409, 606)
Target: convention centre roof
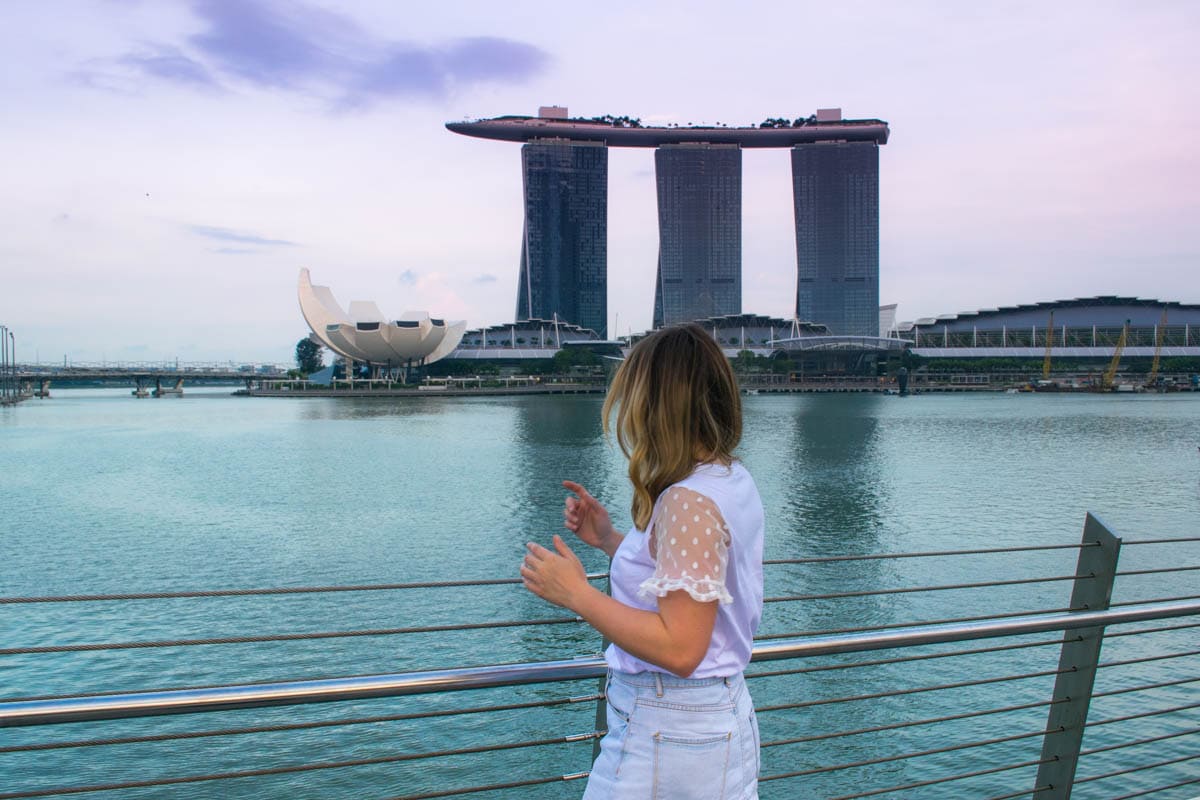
(1105, 310)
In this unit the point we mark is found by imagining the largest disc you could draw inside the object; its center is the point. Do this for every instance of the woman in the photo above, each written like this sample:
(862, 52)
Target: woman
(686, 580)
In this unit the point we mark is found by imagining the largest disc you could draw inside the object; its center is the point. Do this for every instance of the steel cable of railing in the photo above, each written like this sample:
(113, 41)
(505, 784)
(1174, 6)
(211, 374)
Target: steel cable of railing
(494, 787)
(289, 637)
(919, 753)
(784, 776)
(824, 701)
(906, 659)
(1157, 789)
(1144, 687)
(288, 590)
(1162, 571)
(300, 726)
(284, 637)
(285, 590)
(1140, 768)
(1142, 715)
(1159, 629)
(298, 768)
(926, 554)
(894, 626)
(912, 723)
(1147, 659)
(938, 781)
(595, 576)
(1023, 793)
(1108, 748)
(1181, 599)
(916, 589)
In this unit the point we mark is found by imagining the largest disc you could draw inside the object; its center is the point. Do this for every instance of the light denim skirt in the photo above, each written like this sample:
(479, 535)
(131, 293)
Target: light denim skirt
(676, 739)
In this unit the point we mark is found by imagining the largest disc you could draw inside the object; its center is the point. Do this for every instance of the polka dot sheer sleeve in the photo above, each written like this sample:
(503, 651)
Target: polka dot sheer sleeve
(690, 545)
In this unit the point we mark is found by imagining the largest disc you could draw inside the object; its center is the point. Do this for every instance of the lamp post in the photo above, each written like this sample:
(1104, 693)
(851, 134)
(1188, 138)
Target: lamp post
(4, 372)
(12, 353)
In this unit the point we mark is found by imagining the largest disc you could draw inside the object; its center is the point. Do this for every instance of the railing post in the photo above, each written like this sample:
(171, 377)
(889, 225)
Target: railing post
(1094, 575)
(602, 689)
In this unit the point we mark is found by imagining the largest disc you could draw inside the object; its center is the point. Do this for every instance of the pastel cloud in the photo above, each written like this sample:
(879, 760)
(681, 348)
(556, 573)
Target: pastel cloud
(170, 64)
(236, 237)
(293, 47)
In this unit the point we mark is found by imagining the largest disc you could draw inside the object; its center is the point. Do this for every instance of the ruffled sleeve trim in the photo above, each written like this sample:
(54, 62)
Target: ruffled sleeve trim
(702, 590)
(690, 545)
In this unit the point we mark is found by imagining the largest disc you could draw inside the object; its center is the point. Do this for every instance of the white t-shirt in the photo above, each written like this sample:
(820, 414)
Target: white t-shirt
(706, 538)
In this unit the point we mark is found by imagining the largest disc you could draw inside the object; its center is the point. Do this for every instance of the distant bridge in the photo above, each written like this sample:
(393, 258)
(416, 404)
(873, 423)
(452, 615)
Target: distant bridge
(167, 377)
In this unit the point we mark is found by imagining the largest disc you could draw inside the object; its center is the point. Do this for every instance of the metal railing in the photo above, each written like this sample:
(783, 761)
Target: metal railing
(833, 720)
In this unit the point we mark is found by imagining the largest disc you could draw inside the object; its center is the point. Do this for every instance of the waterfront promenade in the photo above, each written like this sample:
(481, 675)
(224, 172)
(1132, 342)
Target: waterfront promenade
(751, 384)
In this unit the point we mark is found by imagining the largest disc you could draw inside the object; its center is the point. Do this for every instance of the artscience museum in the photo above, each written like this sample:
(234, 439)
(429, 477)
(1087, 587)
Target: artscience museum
(363, 334)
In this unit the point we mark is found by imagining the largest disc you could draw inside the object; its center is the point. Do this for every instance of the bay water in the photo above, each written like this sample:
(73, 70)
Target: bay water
(103, 493)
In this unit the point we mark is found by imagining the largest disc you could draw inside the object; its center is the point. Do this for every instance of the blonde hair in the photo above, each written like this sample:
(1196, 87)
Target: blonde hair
(677, 404)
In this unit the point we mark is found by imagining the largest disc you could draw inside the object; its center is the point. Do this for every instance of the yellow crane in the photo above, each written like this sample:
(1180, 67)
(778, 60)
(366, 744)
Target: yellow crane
(1049, 344)
(1158, 344)
(1106, 381)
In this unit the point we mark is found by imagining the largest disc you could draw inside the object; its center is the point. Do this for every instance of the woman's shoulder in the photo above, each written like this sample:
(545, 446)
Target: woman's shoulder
(718, 483)
(716, 477)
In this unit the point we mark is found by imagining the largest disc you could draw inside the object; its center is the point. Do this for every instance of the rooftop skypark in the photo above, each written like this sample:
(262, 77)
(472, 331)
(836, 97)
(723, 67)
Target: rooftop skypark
(630, 132)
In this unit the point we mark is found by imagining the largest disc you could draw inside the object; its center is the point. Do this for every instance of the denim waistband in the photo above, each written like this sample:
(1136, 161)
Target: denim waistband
(659, 679)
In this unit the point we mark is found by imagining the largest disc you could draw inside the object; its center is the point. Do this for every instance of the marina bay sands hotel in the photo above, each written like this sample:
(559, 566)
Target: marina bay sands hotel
(835, 192)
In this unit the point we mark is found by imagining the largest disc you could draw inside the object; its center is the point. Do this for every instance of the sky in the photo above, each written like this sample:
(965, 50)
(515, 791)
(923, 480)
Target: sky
(168, 166)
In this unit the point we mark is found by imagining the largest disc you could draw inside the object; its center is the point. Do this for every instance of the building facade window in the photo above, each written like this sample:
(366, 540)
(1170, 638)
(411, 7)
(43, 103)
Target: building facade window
(700, 232)
(564, 247)
(835, 193)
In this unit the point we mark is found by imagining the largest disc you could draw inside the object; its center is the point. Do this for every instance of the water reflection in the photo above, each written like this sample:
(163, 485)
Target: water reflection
(835, 506)
(836, 474)
(372, 408)
(559, 438)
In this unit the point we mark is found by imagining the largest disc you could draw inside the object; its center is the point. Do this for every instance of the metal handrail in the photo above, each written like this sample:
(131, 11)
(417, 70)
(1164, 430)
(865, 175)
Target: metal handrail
(220, 698)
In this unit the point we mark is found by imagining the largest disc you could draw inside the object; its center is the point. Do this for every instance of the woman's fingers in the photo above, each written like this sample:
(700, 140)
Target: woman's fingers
(571, 513)
(585, 497)
(562, 548)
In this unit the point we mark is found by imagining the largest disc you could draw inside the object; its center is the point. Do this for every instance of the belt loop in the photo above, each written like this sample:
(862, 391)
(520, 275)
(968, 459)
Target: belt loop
(658, 684)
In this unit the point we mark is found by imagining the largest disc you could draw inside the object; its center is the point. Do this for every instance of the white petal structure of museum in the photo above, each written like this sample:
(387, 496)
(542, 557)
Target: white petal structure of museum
(364, 334)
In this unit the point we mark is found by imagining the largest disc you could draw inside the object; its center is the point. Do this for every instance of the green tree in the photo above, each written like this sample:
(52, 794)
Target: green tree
(745, 361)
(309, 357)
(569, 357)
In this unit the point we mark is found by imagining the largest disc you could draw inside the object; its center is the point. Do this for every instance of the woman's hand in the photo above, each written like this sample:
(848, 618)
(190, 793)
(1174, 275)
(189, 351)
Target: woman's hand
(587, 519)
(558, 577)
(675, 637)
